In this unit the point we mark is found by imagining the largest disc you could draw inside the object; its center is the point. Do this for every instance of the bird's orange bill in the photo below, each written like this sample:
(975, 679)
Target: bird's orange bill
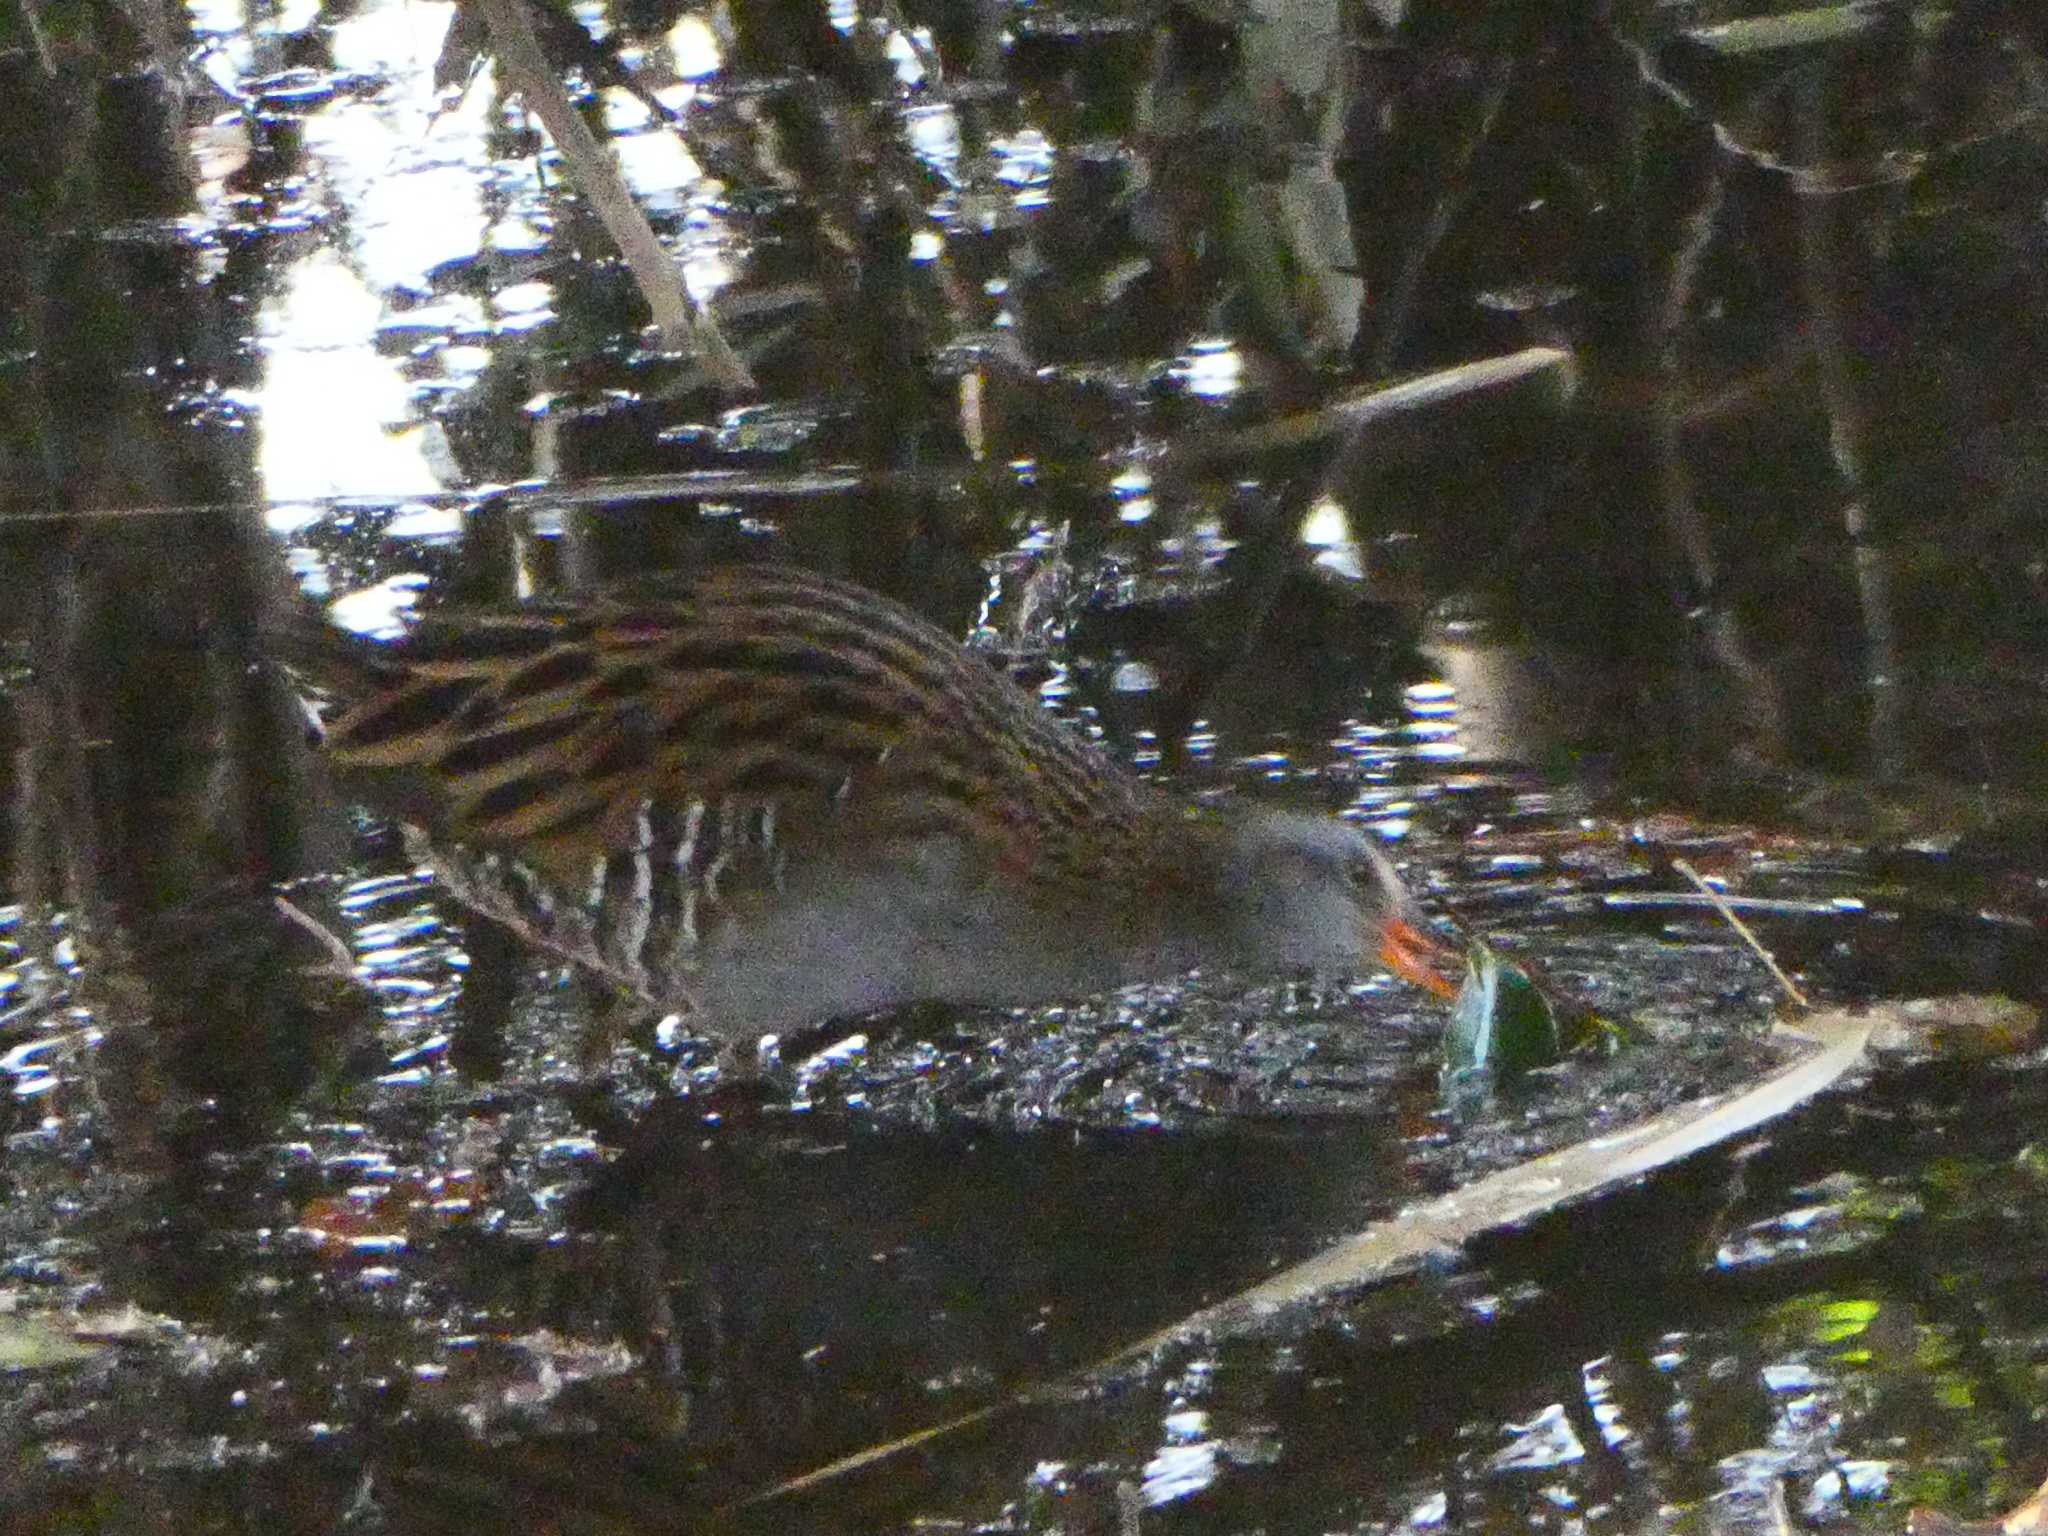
(1417, 957)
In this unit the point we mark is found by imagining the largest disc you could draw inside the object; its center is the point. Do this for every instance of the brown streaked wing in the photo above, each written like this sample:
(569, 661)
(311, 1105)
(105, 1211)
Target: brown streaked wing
(754, 683)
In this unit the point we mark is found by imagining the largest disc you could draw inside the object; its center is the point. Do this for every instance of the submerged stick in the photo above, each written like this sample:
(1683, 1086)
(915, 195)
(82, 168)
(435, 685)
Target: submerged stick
(1403, 1241)
(1354, 410)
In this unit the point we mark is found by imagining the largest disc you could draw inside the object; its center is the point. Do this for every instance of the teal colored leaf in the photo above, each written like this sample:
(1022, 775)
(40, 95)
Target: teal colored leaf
(1501, 1024)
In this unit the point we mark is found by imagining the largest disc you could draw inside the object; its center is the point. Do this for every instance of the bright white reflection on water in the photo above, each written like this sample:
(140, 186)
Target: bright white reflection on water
(379, 611)
(1179, 1470)
(317, 336)
(407, 956)
(413, 181)
(934, 134)
(398, 43)
(411, 166)
(1542, 1443)
(655, 162)
(1024, 160)
(693, 48)
(1132, 489)
(1212, 368)
(1327, 524)
(1327, 530)
(903, 53)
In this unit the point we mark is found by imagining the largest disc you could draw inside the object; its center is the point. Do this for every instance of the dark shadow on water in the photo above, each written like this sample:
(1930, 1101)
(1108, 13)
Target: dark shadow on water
(846, 1288)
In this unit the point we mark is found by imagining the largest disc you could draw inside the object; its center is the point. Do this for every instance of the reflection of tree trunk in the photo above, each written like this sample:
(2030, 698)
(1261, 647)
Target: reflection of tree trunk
(162, 793)
(1399, 307)
(160, 786)
(1848, 433)
(1763, 705)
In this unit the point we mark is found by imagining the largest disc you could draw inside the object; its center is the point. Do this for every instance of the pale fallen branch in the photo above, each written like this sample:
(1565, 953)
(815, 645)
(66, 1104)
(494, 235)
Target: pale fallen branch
(1359, 408)
(1835, 1042)
(1818, 28)
(1528, 1190)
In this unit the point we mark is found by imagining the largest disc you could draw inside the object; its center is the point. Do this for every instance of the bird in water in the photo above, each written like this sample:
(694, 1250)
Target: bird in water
(766, 798)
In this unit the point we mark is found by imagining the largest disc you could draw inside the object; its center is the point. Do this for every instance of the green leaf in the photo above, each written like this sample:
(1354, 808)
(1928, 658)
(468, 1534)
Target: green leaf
(1501, 1024)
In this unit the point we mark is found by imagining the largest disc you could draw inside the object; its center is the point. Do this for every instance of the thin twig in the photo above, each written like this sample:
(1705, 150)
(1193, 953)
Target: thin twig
(1753, 390)
(1728, 916)
(344, 960)
(1355, 410)
(1348, 413)
(1802, 177)
(539, 491)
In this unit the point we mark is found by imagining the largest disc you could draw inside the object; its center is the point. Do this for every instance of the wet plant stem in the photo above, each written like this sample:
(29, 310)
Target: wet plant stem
(342, 958)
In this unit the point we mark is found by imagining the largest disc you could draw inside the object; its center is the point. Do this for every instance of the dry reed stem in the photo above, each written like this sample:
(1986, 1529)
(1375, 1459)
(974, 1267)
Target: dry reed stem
(683, 323)
(1728, 916)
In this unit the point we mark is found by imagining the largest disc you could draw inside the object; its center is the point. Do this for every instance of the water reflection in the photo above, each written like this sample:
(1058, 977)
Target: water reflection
(526, 1253)
(430, 1235)
(540, 1228)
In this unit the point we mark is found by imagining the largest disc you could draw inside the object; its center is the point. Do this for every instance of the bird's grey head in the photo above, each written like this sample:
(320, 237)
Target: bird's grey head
(1305, 892)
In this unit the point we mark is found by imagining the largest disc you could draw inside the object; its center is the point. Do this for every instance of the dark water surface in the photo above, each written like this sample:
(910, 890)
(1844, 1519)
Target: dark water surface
(324, 1207)
(469, 1270)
